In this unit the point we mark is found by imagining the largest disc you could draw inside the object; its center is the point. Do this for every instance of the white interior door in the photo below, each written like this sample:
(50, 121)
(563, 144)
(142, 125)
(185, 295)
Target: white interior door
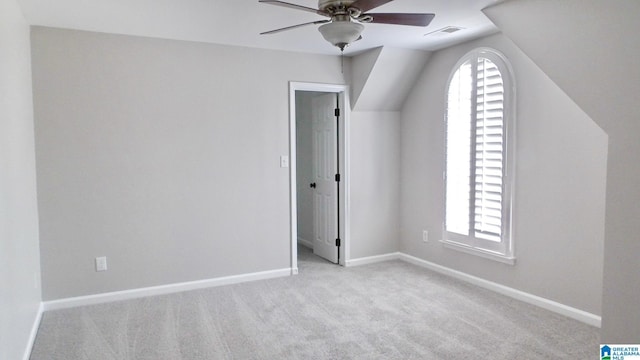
(325, 197)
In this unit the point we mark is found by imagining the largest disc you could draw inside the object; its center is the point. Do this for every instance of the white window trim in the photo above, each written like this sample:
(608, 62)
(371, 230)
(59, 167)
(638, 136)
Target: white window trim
(470, 247)
(509, 260)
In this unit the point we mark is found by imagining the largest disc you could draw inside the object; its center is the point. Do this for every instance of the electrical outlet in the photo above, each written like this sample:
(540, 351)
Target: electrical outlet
(425, 236)
(101, 263)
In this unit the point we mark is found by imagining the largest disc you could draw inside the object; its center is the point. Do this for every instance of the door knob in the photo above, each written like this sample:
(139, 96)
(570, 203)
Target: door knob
(312, 185)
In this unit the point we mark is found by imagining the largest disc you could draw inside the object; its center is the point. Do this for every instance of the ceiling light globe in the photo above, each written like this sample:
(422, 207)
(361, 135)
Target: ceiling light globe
(341, 33)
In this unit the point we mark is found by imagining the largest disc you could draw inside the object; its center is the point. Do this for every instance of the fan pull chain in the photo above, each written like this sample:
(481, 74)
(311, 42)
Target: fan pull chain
(342, 61)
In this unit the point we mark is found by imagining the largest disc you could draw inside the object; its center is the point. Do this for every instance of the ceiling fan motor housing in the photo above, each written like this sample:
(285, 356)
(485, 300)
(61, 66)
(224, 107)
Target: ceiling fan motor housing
(341, 10)
(324, 4)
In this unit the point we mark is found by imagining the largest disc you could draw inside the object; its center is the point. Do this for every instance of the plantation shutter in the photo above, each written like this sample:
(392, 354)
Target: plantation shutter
(489, 150)
(479, 160)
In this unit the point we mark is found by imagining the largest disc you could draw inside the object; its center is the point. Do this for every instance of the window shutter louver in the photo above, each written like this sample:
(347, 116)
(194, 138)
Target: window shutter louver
(489, 149)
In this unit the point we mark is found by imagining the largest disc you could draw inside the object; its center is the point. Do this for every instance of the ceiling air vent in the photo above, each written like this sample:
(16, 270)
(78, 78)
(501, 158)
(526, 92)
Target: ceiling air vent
(444, 31)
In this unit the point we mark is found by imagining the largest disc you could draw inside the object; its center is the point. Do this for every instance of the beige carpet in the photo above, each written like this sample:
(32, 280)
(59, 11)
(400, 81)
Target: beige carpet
(389, 310)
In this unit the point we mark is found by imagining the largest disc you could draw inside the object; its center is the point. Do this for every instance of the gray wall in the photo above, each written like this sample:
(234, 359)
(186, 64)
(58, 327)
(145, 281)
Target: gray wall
(163, 156)
(380, 80)
(559, 189)
(589, 48)
(19, 251)
(375, 183)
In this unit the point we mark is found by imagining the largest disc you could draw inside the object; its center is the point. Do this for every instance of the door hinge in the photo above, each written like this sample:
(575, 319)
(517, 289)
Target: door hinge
(337, 177)
(337, 112)
(338, 242)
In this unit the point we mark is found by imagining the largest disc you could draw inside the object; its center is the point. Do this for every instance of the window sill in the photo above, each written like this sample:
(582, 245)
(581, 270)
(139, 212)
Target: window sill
(509, 260)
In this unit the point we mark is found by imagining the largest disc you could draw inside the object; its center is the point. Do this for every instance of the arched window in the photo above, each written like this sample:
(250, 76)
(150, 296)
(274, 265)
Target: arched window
(479, 155)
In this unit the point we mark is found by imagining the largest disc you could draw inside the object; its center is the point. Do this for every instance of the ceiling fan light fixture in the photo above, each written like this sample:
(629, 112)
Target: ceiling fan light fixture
(341, 33)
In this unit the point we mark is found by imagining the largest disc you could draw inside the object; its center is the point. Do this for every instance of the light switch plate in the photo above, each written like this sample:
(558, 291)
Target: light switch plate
(284, 161)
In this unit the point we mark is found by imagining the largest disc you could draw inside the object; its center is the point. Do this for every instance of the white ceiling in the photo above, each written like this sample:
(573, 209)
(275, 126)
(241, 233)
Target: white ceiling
(239, 22)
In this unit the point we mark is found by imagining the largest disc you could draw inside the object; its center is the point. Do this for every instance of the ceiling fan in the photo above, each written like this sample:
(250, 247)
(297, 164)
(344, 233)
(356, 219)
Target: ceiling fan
(346, 17)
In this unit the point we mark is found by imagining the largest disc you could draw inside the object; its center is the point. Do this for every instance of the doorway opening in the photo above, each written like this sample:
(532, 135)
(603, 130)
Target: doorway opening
(319, 179)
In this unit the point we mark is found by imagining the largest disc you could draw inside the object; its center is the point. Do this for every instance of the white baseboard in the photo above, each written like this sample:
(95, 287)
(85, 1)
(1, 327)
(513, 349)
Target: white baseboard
(372, 259)
(305, 242)
(576, 314)
(162, 289)
(33, 333)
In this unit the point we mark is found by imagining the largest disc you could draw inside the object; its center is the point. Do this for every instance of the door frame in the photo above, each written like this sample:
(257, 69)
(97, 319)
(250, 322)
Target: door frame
(343, 186)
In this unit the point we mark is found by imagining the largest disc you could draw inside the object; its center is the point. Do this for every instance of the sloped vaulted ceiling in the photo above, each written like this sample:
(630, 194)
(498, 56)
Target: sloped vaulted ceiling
(383, 77)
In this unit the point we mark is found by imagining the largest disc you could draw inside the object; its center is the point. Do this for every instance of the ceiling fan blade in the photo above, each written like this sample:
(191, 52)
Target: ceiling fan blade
(295, 6)
(402, 19)
(366, 5)
(295, 26)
